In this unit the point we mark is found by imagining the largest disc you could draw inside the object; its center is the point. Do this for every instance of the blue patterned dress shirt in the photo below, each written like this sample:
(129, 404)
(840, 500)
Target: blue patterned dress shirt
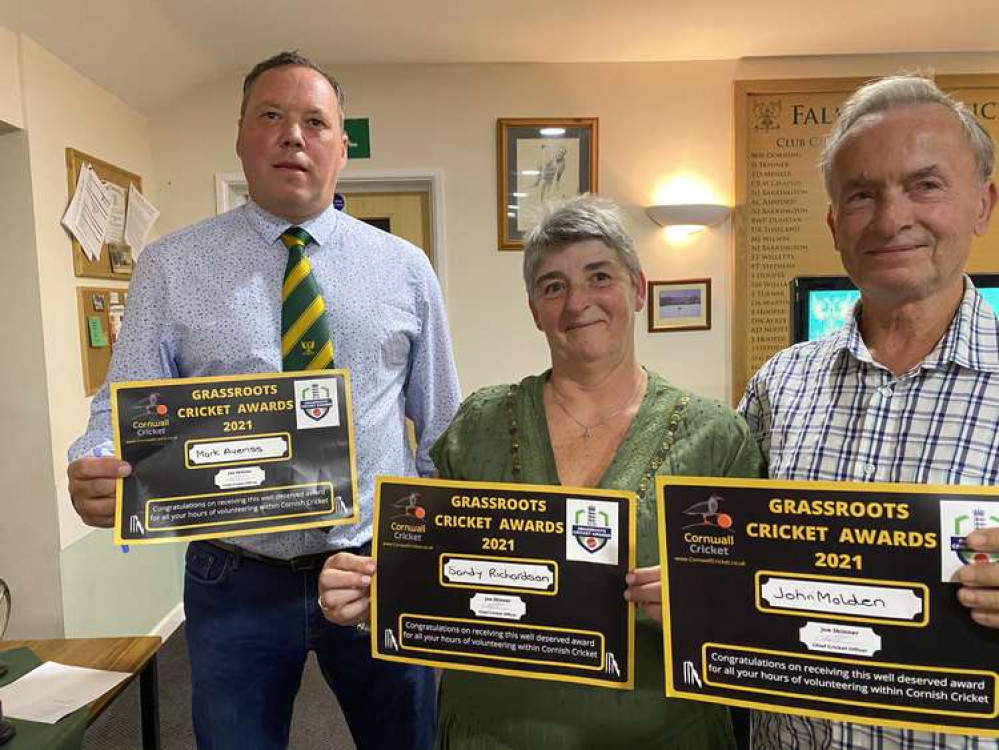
(206, 300)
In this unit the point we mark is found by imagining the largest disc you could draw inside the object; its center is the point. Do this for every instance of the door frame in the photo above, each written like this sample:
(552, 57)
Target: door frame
(230, 186)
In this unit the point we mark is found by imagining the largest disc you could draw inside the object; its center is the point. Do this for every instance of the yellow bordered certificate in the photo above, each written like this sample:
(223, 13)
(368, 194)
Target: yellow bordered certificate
(827, 599)
(514, 579)
(233, 455)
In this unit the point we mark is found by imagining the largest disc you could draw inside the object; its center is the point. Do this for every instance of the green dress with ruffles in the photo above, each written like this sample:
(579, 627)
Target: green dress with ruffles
(500, 434)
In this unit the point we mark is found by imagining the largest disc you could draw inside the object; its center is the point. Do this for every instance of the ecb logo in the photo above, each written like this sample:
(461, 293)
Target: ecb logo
(964, 524)
(958, 518)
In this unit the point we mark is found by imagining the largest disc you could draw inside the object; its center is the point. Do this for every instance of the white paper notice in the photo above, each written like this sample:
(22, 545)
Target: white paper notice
(116, 219)
(140, 219)
(52, 690)
(89, 213)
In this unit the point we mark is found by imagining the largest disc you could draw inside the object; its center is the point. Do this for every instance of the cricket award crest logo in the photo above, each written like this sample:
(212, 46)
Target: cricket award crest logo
(316, 404)
(591, 531)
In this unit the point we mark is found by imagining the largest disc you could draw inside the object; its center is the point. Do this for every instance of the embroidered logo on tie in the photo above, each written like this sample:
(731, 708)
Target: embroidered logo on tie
(308, 348)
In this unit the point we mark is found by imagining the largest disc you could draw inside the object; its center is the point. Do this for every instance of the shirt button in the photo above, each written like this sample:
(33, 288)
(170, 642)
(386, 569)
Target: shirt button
(869, 470)
(886, 391)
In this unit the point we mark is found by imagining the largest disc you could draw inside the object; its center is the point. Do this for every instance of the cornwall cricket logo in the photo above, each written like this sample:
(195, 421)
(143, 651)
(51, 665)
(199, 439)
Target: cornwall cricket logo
(592, 529)
(315, 401)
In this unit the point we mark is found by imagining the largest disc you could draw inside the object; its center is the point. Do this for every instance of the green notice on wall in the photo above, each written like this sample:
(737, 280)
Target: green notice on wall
(358, 138)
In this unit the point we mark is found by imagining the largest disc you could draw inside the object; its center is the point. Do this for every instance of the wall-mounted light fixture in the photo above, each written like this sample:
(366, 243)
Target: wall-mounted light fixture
(693, 216)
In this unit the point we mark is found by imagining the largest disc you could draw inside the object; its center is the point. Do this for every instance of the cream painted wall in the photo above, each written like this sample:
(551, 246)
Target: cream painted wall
(657, 120)
(62, 108)
(11, 114)
(444, 117)
(29, 526)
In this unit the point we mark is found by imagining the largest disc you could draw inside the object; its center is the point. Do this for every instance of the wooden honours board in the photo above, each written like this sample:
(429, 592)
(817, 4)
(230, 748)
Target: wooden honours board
(781, 205)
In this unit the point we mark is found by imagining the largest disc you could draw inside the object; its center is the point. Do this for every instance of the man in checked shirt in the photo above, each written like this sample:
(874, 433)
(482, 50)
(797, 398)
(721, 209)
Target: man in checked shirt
(908, 389)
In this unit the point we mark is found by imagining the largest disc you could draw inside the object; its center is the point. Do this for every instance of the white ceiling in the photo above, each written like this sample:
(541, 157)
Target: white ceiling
(149, 51)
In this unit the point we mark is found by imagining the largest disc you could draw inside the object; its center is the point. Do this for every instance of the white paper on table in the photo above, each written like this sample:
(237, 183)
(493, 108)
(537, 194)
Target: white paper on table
(141, 216)
(116, 219)
(53, 690)
(89, 212)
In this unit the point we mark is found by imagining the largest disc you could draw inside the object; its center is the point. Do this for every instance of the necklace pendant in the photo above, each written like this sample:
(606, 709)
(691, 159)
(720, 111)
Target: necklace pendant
(586, 433)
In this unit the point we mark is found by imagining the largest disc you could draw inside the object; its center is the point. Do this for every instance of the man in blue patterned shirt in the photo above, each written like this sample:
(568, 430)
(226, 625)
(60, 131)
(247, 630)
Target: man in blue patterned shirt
(908, 390)
(206, 300)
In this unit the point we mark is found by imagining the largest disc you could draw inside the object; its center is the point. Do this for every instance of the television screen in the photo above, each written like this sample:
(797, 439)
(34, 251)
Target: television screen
(822, 304)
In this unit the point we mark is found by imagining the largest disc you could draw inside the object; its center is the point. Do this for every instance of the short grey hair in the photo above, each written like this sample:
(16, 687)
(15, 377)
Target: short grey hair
(292, 59)
(906, 90)
(583, 218)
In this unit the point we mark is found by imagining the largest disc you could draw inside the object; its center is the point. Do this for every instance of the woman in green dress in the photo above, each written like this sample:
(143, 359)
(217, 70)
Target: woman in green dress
(597, 418)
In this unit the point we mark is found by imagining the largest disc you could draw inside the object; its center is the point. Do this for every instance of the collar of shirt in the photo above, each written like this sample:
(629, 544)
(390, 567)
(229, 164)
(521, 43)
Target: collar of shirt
(971, 340)
(271, 227)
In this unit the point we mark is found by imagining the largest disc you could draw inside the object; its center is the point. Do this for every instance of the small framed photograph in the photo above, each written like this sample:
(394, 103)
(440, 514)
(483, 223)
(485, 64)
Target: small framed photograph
(683, 305)
(97, 302)
(540, 160)
(121, 258)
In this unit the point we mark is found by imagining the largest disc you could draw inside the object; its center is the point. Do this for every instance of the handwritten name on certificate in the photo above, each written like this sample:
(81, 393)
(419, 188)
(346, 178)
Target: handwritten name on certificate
(235, 455)
(515, 579)
(827, 599)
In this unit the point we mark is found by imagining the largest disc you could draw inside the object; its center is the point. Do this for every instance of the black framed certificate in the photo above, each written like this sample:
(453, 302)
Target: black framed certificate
(515, 579)
(234, 455)
(827, 599)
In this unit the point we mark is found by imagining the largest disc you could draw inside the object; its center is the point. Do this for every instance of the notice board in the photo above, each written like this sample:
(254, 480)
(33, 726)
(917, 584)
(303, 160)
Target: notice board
(101, 310)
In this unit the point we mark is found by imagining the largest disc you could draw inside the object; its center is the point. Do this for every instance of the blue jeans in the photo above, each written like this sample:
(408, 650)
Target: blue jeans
(251, 625)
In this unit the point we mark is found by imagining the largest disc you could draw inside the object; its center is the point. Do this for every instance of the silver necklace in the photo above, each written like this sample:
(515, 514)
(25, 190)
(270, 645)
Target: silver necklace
(588, 427)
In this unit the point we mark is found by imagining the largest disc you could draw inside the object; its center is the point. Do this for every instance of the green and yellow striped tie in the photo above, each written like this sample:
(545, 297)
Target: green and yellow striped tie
(306, 343)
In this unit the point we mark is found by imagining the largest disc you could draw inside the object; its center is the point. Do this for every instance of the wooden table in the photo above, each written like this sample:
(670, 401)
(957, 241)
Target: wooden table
(135, 655)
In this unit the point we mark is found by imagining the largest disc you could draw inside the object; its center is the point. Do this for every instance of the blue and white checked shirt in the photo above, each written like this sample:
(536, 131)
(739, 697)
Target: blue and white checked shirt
(206, 300)
(826, 410)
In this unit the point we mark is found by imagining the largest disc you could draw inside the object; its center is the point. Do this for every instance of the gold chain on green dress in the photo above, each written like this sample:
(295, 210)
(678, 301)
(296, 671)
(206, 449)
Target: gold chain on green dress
(658, 458)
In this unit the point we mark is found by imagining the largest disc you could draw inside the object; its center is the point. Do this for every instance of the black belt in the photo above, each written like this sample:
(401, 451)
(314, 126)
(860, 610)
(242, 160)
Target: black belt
(300, 563)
